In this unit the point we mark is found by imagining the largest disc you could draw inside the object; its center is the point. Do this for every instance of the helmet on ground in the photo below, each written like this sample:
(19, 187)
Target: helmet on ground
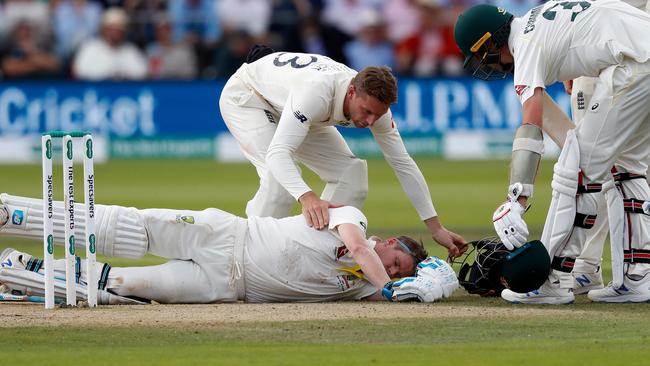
(479, 32)
(488, 267)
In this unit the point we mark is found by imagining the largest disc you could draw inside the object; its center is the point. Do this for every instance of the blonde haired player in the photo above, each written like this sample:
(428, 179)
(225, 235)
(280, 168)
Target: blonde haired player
(215, 256)
(283, 108)
(562, 41)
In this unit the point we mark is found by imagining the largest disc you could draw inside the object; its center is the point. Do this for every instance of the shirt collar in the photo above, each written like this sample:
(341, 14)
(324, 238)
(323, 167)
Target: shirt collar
(339, 97)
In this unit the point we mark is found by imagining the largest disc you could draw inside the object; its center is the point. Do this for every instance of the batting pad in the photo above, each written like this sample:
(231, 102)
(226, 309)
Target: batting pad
(33, 284)
(119, 230)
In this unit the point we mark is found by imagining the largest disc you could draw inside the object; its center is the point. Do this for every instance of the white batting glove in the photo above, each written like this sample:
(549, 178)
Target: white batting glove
(438, 271)
(434, 280)
(420, 289)
(508, 222)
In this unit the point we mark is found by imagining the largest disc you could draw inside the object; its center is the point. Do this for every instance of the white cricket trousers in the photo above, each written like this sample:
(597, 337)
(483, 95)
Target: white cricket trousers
(205, 250)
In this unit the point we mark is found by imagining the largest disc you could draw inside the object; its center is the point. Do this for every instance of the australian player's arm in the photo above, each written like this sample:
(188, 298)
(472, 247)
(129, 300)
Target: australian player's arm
(350, 225)
(408, 173)
(528, 145)
(306, 104)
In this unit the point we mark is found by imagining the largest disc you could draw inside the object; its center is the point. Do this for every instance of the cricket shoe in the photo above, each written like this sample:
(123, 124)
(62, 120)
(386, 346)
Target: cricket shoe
(585, 282)
(548, 293)
(630, 291)
(11, 258)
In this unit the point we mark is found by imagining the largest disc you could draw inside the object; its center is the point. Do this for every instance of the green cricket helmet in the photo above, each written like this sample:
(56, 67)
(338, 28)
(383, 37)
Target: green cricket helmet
(479, 32)
(488, 267)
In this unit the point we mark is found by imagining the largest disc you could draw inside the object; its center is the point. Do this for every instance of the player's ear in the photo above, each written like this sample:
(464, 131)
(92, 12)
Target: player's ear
(391, 241)
(352, 90)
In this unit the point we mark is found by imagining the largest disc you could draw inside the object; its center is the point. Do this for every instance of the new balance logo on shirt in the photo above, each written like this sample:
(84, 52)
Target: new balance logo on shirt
(301, 117)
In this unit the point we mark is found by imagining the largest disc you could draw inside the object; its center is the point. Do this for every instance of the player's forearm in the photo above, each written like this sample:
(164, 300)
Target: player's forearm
(433, 224)
(285, 172)
(371, 266)
(527, 148)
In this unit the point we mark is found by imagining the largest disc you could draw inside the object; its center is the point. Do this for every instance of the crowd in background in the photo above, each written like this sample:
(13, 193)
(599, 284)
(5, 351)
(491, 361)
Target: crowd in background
(209, 39)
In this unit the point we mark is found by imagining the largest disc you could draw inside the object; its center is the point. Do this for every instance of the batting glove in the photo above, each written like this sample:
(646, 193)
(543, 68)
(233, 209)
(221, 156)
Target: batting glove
(387, 291)
(440, 272)
(420, 289)
(508, 222)
(434, 280)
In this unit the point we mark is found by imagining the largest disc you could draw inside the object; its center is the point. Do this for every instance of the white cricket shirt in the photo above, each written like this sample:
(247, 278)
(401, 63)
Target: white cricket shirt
(308, 91)
(563, 40)
(286, 260)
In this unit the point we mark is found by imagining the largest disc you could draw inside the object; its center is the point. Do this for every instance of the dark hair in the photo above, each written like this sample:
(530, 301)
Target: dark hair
(377, 82)
(415, 249)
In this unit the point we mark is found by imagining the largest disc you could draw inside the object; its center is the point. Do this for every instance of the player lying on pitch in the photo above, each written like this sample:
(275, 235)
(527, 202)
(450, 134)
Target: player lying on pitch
(215, 256)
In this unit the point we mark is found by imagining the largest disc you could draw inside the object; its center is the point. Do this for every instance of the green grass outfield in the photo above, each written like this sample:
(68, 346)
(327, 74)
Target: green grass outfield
(478, 332)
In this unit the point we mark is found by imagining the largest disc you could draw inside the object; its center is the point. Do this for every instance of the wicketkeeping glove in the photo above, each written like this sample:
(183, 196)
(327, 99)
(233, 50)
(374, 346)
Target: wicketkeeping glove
(508, 222)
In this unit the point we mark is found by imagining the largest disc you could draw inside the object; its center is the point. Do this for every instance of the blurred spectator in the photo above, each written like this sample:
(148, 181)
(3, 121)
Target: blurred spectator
(371, 47)
(432, 50)
(169, 59)
(402, 19)
(311, 36)
(107, 4)
(74, 22)
(34, 11)
(143, 15)
(516, 7)
(340, 24)
(26, 56)
(110, 56)
(194, 22)
(286, 22)
(250, 16)
(232, 54)
(343, 14)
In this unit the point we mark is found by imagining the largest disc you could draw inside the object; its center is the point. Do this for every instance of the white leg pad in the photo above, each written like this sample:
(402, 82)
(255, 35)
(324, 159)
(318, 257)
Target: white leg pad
(30, 283)
(120, 231)
(637, 228)
(590, 258)
(617, 232)
(562, 211)
(351, 188)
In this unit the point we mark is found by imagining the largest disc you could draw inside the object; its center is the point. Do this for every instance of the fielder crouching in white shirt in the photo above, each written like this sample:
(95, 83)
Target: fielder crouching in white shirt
(283, 108)
(215, 256)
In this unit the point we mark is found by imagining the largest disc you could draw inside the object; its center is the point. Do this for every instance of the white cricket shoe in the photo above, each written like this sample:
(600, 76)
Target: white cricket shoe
(4, 215)
(11, 258)
(585, 282)
(548, 293)
(630, 291)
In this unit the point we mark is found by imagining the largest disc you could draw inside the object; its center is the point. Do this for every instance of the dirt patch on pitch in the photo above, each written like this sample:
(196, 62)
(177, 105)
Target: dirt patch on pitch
(30, 315)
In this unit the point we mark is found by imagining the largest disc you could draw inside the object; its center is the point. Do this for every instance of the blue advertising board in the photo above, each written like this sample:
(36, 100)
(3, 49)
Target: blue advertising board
(427, 110)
